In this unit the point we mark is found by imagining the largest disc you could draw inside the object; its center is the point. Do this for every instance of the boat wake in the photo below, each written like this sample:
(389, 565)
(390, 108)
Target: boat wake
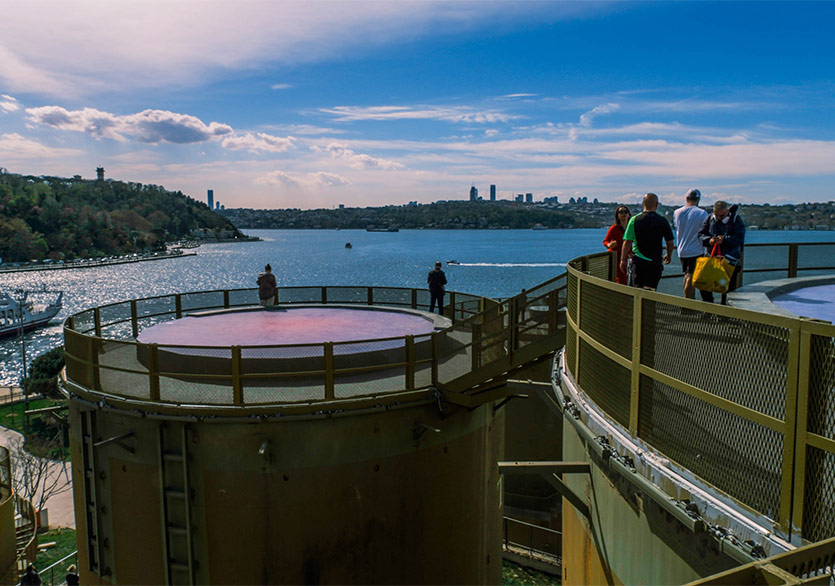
(507, 264)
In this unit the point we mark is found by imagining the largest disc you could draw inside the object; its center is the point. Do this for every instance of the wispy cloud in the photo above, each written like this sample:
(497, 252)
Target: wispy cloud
(259, 142)
(280, 86)
(15, 147)
(8, 104)
(586, 119)
(356, 160)
(457, 114)
(148, 126)
(308, 180)
(153, 43)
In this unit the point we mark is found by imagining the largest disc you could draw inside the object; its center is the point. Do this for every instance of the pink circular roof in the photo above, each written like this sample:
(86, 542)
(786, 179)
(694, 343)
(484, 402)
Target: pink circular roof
(302, 325)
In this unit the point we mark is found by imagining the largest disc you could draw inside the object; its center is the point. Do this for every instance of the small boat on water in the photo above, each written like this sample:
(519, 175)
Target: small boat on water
(389, 229)
(29, 309)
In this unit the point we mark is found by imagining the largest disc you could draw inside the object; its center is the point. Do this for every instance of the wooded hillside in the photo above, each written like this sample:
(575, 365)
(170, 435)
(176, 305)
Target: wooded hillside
(59, 218)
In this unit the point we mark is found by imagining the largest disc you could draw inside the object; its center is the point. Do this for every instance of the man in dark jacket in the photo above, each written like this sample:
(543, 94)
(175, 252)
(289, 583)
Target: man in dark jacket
(436, 281)
(725, 228)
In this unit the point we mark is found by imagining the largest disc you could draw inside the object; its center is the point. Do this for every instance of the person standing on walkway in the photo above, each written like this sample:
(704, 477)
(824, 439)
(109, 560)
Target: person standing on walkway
(688, 220)
(436, 281)
(642, 240)
(614, 239)
(266, 287)
(726, 228)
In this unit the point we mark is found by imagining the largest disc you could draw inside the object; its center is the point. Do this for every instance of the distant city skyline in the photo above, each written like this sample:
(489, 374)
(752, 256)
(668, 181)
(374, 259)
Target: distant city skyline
(316, 104)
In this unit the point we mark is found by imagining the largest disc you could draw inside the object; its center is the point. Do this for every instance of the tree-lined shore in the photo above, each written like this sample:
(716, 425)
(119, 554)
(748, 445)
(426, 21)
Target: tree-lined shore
(68, 218)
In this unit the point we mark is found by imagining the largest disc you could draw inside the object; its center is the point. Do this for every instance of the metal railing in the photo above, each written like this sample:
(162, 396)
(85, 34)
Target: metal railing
(754, 392)
(486, 338)
(25, 528)
(536, 541)
(55, 574)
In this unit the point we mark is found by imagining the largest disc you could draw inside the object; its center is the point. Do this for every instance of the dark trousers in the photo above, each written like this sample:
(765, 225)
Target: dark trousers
(436, 296)
(646, 273)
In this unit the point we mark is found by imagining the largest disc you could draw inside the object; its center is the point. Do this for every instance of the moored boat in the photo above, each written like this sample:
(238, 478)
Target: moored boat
(28, 310)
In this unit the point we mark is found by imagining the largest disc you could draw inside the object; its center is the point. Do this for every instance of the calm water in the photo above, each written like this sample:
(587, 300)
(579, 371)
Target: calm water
(496, 263)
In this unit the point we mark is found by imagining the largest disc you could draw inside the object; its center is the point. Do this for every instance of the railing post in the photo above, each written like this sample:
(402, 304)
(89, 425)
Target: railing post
(797, 426)
(635, 382)
(370, 295)
(476, 346)
(792, 272)
(226, 298)
(237, 384)
(329, 384)
(324, 295)
(513, 323)
(553, 311)
(435, 356)
(410, 363)
(97, 321)
(178, 305)
(134, 322)
(452, 305)
(95, 376)
(153, 371)
(414, 298)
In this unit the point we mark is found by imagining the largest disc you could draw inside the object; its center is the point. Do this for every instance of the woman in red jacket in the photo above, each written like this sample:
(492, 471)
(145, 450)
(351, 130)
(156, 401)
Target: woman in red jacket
(614, 238)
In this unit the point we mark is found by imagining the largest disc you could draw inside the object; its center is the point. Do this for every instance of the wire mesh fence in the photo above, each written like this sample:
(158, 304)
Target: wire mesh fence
(726, 393)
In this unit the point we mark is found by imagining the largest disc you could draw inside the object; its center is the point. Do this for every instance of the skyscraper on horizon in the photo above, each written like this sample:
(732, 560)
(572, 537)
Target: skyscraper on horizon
(492, 193)
(211, 196)
(473, 193)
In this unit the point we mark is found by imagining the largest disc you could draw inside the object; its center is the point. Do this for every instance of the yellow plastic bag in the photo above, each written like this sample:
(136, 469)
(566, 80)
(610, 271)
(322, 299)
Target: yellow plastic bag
(713, 273)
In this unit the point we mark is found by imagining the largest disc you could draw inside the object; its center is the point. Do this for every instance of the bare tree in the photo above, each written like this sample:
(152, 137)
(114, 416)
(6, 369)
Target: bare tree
(38, 479)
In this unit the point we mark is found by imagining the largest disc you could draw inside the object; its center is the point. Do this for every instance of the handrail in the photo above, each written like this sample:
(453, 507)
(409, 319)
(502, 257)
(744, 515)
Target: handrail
(756, 386)
(485, 339)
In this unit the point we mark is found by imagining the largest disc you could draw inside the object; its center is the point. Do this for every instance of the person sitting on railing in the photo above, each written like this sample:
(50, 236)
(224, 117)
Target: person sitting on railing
(725, 227)
(642, 240)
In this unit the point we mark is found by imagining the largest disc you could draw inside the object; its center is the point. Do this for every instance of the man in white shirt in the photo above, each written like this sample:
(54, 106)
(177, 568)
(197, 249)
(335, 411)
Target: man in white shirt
(688, 221)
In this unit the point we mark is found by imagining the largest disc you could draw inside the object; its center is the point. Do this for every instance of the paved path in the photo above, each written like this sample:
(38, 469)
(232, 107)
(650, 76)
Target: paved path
(60, 506)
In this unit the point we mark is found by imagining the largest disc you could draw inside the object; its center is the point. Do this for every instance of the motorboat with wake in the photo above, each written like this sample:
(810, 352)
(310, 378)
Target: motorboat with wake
(28, 309)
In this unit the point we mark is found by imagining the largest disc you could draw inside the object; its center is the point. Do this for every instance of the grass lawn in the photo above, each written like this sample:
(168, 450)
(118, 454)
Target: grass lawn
(516, 575)
(40, 433)
(65, 545)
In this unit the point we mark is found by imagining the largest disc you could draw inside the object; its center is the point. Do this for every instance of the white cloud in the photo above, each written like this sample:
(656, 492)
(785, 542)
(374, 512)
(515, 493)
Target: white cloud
(88, 45)
(259, 141)
(325, 178)
(457, 114)
(15, 147)
(148, 126)
(586, 119)
(281, 86)
(8, 104)
(358, 161)
(308, 180)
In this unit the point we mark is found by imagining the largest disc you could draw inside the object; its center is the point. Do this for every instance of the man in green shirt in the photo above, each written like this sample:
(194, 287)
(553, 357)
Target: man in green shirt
(643, 240)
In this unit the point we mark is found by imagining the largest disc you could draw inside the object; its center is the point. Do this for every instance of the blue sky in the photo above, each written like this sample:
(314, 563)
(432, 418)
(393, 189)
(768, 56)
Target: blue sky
(314, 104)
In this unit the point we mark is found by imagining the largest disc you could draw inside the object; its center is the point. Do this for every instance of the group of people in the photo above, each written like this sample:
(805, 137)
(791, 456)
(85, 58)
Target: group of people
(644, 243)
